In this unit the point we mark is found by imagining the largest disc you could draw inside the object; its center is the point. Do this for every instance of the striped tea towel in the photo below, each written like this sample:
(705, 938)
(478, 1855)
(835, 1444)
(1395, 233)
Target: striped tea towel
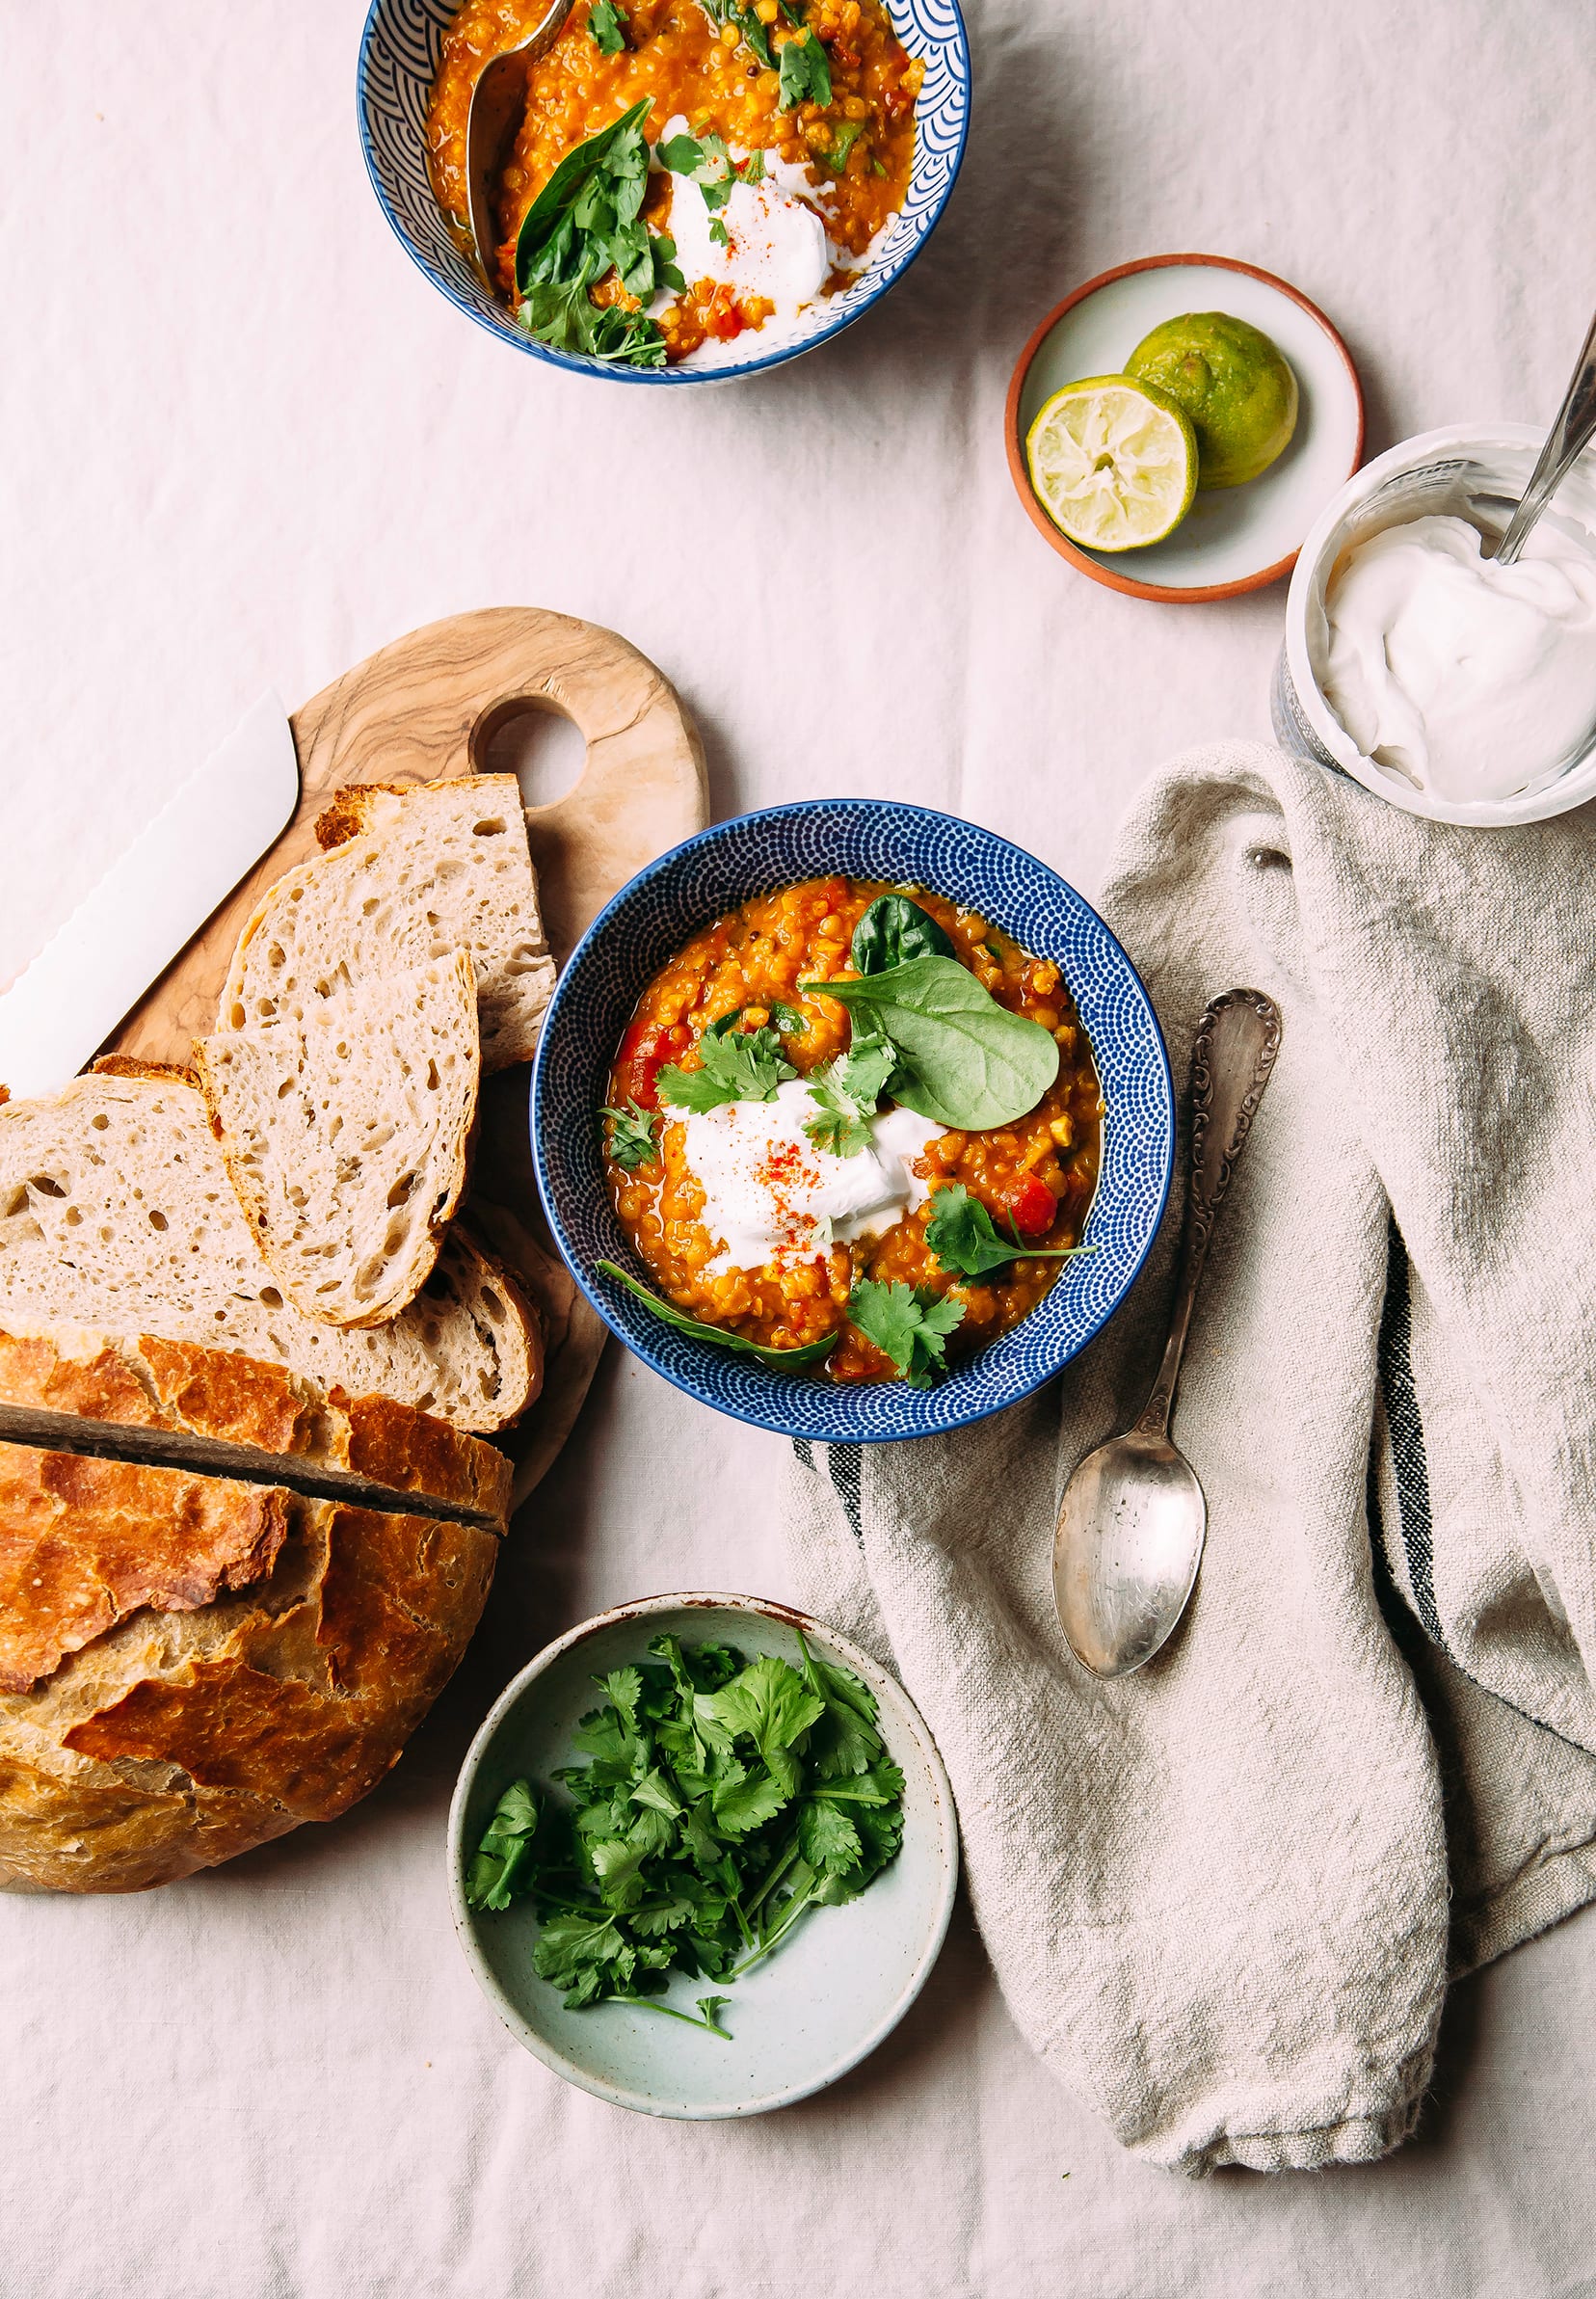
(1224, 1896)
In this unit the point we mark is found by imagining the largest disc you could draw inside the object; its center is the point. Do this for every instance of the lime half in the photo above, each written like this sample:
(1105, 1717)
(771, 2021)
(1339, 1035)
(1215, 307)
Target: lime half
(1114, 463)
(1232, 381)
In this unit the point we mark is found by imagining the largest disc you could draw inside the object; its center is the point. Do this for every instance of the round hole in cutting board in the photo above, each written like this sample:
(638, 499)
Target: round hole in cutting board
(541, 747)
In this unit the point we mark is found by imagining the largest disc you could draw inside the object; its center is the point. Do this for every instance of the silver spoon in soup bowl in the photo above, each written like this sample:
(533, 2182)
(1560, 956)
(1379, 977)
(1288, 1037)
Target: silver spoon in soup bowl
(1133, 1519)
(497, 101)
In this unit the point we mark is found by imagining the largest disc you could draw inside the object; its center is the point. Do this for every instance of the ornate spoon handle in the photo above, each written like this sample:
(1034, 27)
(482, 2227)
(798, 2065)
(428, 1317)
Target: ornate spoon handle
(1231, 1058)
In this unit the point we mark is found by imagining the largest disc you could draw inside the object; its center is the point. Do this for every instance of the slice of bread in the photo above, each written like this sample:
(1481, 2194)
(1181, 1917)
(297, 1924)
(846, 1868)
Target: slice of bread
(116, 1213)
(176, 1738)
(345, 1135)
(405, 877)
(139, 1398)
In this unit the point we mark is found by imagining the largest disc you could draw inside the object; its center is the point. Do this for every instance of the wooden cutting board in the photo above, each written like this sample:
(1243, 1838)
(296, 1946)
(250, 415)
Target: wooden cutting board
(426, 708)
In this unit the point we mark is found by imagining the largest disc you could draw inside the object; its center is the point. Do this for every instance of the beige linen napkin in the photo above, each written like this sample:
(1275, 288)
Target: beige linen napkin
(1223, 1897)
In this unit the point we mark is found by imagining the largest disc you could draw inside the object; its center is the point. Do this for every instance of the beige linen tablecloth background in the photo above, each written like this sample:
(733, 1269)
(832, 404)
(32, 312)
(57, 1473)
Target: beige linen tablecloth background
(243, 442)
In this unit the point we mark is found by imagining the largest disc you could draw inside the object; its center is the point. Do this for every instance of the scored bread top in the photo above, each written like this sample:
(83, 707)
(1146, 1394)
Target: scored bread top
(345, 1135)
(84, 1543)
(177, 1740)
(239, 1415)
(406, 876)
(116, 1213)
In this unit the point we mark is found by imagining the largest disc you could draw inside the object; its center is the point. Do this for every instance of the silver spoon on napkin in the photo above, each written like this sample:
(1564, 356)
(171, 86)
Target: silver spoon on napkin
(497, 98)
(1133, 1519)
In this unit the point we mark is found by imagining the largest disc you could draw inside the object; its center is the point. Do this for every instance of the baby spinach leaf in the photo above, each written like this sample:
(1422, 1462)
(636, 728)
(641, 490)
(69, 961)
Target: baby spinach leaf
(812, 1353)
(585, 223)
(910, 1325)
(632, 1139)
(806, 74)
(964, 1237)
(895, 929)
(966, 1061)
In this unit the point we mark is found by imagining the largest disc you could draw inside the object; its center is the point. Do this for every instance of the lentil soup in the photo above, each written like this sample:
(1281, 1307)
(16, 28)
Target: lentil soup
(836, 142)
(1035, 1177)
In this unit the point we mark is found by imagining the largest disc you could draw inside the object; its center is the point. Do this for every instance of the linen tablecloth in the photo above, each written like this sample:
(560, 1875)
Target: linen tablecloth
(244, 442)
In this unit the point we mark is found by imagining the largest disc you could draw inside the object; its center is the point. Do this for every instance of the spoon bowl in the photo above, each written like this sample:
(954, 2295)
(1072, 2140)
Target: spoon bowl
(497, 101)
(1125, 1554)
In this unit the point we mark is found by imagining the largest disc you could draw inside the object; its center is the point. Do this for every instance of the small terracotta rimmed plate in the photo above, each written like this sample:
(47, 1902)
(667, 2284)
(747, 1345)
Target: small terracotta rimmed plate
(1233, 539)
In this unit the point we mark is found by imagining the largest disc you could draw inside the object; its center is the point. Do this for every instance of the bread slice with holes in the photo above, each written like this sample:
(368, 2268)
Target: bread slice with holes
(406, 876)
(134, 1398)
(116, 1213)
(345, 1137)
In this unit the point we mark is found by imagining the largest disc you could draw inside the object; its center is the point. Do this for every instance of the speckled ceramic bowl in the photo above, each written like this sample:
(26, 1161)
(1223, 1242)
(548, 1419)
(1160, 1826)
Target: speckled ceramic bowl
(650, 918)
(399, 52)
(832, 1992)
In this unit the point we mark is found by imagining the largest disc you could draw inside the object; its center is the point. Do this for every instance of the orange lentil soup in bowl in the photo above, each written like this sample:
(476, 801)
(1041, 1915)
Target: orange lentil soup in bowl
(686, 175)
(856, 1125)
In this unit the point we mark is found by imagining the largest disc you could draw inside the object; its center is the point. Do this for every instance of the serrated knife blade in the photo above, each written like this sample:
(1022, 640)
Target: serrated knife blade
(150, 903)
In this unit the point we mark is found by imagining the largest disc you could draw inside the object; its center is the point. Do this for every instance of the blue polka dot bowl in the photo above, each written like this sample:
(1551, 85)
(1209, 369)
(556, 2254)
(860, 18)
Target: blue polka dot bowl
(399, 55)
(650, 918)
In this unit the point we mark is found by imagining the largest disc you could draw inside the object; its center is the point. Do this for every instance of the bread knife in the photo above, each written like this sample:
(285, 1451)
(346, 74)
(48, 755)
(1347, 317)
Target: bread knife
(150, 903)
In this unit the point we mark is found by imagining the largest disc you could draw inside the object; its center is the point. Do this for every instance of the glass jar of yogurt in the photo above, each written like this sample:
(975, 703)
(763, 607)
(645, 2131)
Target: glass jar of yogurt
(1449, 687)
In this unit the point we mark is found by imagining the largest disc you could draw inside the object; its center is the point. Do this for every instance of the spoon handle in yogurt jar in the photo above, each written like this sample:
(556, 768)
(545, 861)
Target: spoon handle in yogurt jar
(1231, 1058)
(1569, 435)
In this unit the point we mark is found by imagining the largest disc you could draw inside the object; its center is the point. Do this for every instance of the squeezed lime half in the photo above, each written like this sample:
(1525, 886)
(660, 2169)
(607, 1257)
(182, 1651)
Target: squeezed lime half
(1113, 462)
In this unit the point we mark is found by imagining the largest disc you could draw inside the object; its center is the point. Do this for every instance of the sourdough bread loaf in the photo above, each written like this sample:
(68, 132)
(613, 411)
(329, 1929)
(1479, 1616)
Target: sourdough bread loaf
(345, 1133)
(194, 1665)
(140, 1399)
(116, 1213)
(407, 876)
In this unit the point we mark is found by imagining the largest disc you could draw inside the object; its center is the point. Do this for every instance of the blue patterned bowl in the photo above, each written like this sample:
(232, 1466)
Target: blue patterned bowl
(399, 52)
(662, 907)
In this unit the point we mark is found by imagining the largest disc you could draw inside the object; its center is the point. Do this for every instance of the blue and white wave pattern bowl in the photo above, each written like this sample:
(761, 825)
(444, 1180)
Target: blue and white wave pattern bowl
(662, 907)
(399, 55)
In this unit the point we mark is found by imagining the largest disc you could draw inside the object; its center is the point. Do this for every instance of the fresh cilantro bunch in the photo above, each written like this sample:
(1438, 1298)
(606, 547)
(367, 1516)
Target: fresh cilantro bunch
(720, 1801)
(586, 222)
(737, 1066)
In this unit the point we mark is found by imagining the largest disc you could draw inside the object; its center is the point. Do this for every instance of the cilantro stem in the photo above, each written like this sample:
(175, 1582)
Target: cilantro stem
(778, 1868)
(669, 2012)
(789, 1915)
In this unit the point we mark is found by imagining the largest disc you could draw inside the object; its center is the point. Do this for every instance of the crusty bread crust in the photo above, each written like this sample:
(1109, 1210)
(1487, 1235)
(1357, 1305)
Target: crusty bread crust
(353, 813)
(174, 1742)
(84, 1543)
(243, 1417)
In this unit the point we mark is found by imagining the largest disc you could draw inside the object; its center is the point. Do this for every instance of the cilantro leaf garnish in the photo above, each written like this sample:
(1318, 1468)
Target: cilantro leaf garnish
(810, 1353)
(737, 1066)
(606, 17)
(754, 35)
(753, 169)
(806, 74)
(848, 1091)
(908, 1324)
(721, 1800)
(586, 222)
(964, 1237)
(634, 1139)
(719, 233)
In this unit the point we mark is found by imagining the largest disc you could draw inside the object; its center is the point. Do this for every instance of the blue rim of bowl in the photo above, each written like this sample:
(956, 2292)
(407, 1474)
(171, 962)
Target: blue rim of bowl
(773, 1419)
(661, 377)
(643, 1608)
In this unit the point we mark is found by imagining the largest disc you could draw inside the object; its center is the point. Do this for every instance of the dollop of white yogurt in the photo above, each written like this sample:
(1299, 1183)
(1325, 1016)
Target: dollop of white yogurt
(770, 1195)
(1473, 680)
(775, 243)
